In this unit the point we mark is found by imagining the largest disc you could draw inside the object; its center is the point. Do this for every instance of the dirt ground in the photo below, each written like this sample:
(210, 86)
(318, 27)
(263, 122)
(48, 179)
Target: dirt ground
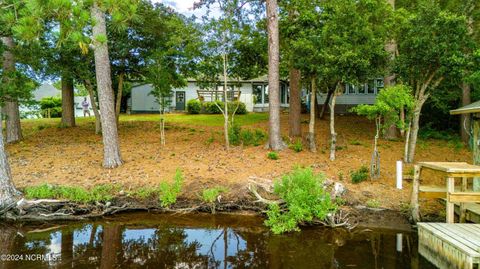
(73, 156)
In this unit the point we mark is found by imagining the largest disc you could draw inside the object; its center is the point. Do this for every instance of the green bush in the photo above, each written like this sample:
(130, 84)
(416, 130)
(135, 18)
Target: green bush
(212, 108)
(240, 108)
(305, 200)
(194, 106)
(209, 196)
(297, 146)
(272, 155)
(170, 192)
(359, 175)
(54, 104)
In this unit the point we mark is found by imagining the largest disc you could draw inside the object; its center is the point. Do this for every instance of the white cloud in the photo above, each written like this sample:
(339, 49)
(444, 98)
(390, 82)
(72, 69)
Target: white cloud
(182, 6)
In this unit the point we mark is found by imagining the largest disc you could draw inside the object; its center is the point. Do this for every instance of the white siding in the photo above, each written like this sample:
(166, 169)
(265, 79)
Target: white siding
(351, 99)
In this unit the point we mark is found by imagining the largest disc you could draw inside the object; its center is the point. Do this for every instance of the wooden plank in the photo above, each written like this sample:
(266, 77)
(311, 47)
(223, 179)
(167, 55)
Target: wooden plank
(469, 233)
(464, 197)
(473, 211)
(434, 192)
(464, 236)
(449, 238)
(450, 218)
(451, 167)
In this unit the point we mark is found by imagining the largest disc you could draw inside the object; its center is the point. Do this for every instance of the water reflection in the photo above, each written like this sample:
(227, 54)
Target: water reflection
(201, 241)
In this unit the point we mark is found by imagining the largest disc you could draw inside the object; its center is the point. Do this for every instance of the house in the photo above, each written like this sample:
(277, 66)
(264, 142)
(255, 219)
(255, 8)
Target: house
(254, 93)
(48, 90)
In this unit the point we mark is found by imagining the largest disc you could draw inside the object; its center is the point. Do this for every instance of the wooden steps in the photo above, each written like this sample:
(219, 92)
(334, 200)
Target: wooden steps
(472, 211)
(450, 245)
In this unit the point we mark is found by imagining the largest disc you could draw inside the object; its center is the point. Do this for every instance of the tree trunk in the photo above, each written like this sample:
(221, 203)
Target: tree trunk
(111, 246)
(118, 103)
(91, 94)
(275, 138)
(294, 116)
(311, 125)
(111, 148)
(12, 113)
(333, 135)
(414, 131)
(225, 108)
(465, 118)
(325, 104)
(68, 104)
(7, 189)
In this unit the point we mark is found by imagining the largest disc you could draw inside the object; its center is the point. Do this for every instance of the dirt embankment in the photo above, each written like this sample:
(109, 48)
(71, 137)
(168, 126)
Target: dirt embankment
(73, 157)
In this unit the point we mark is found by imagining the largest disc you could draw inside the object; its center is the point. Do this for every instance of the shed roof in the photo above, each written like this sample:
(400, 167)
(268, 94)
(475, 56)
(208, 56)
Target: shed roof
(471, 108)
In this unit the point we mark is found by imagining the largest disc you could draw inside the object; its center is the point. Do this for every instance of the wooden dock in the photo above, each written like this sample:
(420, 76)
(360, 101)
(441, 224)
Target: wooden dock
(450, 246)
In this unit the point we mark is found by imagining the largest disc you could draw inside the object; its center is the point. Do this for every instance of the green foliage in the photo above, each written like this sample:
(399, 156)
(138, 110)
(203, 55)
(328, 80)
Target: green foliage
(387, 106)
(100, 193)
(355, 142)
(273, 155)
(212, 107)
(144, 192)
(359, 175)
(53, 104)
(210, 195)
(305, 200)
(170, 192)
(297, 146)
(246, 137)
(373, 203)
(194, 106)
(238, 107)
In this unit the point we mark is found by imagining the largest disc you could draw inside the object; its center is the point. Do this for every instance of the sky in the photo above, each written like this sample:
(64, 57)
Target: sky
(183, 6)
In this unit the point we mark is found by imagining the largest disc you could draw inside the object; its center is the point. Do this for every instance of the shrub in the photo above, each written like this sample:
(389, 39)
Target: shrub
(240, 107)
(234, 134)
(194, 106)
(372, 203)
(272, 155)
(297, 146)
(247, 137)
(212, 108)
(52, 104)
(305, 200)
(170, 192)
(359, 175)
(210, 195)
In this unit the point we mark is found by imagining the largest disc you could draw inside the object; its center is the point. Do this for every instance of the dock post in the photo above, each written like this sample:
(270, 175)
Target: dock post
(414, 199)
(450, 205)
(463, 210)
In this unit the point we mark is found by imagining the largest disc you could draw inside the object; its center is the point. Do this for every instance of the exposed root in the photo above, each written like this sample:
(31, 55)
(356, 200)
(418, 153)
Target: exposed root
(253, 189)
(338, 219)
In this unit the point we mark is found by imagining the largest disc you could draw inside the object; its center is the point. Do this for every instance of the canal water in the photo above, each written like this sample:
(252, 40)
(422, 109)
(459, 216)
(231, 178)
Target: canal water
(143, 240)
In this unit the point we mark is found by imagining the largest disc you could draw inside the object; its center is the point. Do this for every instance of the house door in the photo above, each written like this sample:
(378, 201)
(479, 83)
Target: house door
(179, 100)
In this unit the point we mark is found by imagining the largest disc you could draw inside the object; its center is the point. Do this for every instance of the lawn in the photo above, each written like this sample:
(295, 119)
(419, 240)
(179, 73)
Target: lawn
(187, 119)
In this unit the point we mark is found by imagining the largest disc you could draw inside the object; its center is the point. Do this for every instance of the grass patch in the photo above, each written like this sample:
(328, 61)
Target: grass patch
(359, 175)
(297, 146)
(100, 193)
(373, 203)
(273, 155)
(170, 191)
(355, 142)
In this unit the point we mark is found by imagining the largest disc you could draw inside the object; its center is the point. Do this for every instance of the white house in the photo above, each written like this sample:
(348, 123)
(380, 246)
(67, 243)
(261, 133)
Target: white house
(48, 90)
(254, 93)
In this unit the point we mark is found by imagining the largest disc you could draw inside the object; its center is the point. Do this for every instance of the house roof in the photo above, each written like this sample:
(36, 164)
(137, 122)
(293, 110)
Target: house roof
(471, 108)
(45, 90)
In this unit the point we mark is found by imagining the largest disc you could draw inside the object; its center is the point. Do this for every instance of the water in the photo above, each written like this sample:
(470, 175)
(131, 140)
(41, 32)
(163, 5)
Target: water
(201, 241)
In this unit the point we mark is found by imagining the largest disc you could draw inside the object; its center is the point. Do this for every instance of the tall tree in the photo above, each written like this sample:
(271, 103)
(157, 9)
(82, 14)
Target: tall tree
(11, 109)
(111, 147)
(275, 137)
(426, 60)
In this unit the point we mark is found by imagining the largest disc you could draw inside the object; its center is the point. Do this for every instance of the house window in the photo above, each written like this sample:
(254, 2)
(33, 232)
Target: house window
(258, 93)
(230, 92)
(284, 94)
(379, 85)
(351, 89)
(371, 87)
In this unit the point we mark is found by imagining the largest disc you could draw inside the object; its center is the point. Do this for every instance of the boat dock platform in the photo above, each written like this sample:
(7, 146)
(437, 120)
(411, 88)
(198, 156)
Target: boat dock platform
(450, 245)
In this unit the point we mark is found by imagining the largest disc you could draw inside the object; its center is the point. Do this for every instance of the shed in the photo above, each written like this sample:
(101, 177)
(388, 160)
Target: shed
(473, 110)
